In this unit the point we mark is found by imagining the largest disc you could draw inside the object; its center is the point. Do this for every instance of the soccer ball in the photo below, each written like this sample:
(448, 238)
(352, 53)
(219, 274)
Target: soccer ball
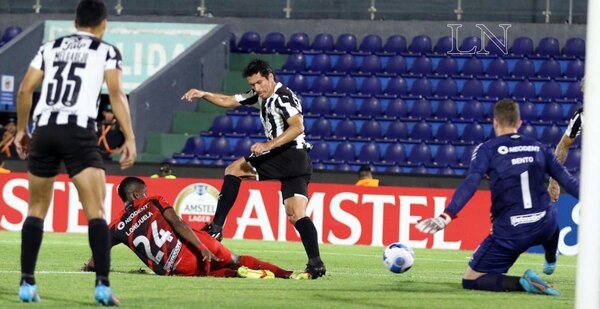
(398, 258)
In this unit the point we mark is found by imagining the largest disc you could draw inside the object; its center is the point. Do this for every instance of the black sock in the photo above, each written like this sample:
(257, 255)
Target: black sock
(551, 247)
(494, 282)
(99, 238)
(308, 233)
(229, 193)
(31, 240)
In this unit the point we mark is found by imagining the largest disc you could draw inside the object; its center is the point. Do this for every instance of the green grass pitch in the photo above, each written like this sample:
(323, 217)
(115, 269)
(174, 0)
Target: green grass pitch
(356, 278)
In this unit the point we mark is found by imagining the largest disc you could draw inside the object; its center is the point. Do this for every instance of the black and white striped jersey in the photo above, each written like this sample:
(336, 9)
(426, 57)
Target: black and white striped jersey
(73, 68)
(575, 124)
(275, 111)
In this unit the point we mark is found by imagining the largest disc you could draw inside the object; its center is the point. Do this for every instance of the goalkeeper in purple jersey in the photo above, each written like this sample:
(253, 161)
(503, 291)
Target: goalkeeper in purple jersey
(521, 214)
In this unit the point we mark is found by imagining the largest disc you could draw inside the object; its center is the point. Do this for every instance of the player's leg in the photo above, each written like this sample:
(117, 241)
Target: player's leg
(551, 252)
(254, 263)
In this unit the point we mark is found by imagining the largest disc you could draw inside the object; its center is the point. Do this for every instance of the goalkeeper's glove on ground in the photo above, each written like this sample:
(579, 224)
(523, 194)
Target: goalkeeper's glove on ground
(433, 225)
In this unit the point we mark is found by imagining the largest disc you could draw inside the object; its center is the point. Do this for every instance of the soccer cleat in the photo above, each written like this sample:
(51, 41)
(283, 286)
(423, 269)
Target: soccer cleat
(28, 293)
(104, 296)
(300, 276)
(214, 232)
(549, 268)
(311, 272)
(532, 283)
(245, 272)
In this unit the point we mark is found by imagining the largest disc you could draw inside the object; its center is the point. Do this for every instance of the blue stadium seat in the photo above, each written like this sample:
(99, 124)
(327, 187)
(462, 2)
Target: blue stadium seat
(465, 159)
(550, 90)
(320, 151)
(320, 128)
(320, 105)
(344, 167)
(346, 85)
(573, 109)
(346, 42)
(549, 68)
(421, 109)
(574, 92)
(371, 44)
(575, 69)
(323, 42)
(574, 47)
(345, 106)
(421, 65)
(10, 33)
(396, 65)
(295, 63)
(473, 133)
(370, 86)
(370, 129)
(222, 124)
(247, 124)
(446, 155)
(194, 145)
(420, 170)
(242, 147)
(274, 43)
(548, 46)
(320, 63)
(446, 88)
(524, 90)
(370, 107)
(395, 44)
(369, 152)
(420, 154)
(345, 129)
(447, 132)
(552, 112)
(395, 153)
(447, 109)
(472, 88)
(219, 147)
(397, 86)
(447, 66)
(523, 69)
(318, 166)
(345, 64)
(498, 89)
(422, 131)
(522, 46)
(446, 171)
(421, 87)
(298, 83)
(497, 46)
(298, 42)
(393, 169)
(573, 161)
(472, 67)
(370, 65)
(397, 130)
(551, 135)
(471, 44)
(444, 45)
(528, 130)
(322, 84)
(472, 111)
(420, 44)
(396, 108)
(345, 151)
(249, 42)
(528, 111)
(497, 67)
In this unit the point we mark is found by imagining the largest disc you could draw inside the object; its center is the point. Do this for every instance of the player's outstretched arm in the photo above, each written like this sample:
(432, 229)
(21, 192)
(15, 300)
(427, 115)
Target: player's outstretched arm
(562, 150)
(30, 82)
(222, 100)
(120, 106)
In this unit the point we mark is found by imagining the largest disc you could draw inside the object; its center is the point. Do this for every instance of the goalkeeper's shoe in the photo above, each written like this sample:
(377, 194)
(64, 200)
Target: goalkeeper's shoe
(532, 283)
(245, 272)
(549, 268)
(105, 297)
(214, 231)
(28, 293)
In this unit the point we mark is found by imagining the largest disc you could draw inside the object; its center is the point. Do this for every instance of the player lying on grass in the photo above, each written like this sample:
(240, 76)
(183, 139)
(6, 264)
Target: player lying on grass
(150, 227)
(521, 213)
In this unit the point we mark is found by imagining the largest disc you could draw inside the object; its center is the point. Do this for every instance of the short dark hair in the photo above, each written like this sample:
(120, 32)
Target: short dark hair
(128, 186)
(364, 170)
(258, 66)
(90, 13)
(506, 113)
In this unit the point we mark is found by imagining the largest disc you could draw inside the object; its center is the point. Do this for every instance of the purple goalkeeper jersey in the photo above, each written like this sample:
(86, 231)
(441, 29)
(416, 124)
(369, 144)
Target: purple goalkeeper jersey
(517, 166)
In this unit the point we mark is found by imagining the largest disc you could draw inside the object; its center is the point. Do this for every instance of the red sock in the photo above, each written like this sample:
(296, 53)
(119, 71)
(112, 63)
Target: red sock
(254, 263)
(223, 273)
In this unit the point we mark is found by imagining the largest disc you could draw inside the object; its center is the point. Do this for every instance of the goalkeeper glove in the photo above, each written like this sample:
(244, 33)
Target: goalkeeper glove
(433, 225)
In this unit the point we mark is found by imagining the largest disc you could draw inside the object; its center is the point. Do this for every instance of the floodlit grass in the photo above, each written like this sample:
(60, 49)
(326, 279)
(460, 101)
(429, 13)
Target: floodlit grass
(356, 278)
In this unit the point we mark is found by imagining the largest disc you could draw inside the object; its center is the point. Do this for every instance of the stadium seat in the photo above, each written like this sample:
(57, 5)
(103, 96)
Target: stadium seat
(447, 132)
(371, 44)
(194, 145)
(346, 42)
(421, 65)
(320, 151)
(370, 86)
(370, 65)
(274, 43)
(447, 66)
(345, 129)
(345, 106)
(528, 130)
(574, 47)
(397, 130)
(249, 42)
(465, 159)
(369, 152)
(473, 111)
(323, 42)
(522, 46)
(295, 63)
(370, 129)
(573, 161)
(497, 46)
(420, 154)
(396, 65)
(222, 124)
(550, 90)
(549, 68)
(395, 153)
(320, 63)
(395, 44)
(396, 108)
(421, 170)
(447, 109)
(524, 90)
(396, 86)
(472, 67)
(444, 45)
(318, 166)
(322, 84)
(420, 44)
(446, 155)
(298, 83)
(446, 88)
(552, 112)
(247, 124)
(523, 69)
(320, 128)
(470, 44)
(242, 147)
(219, 147)
(528, 111)
(422, 131)
(421, 87)
(498, 89)
(551, 135)
(472, 88)
(548, 46)
(346, 85)
(320, 105)
(345, 64)
(345, 152)
(575, 69)
(473, 133)
(393, 169)
(446, 171)
(10, 33)
(421, 109)
(298, 42)
(370, 107)
(574, 92)
(497, 68)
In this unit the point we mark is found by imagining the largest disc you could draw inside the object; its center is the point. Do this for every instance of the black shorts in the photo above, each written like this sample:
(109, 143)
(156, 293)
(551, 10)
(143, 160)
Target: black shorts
(74, 145)
(291, 166)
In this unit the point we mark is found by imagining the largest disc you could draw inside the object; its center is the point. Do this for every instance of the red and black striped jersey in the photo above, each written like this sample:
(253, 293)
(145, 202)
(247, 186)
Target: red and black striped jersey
(143, 228)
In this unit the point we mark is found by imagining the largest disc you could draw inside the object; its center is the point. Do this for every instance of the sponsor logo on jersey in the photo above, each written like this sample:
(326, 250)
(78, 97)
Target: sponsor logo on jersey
(196, 204)
(527, 148)
(528, 218)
